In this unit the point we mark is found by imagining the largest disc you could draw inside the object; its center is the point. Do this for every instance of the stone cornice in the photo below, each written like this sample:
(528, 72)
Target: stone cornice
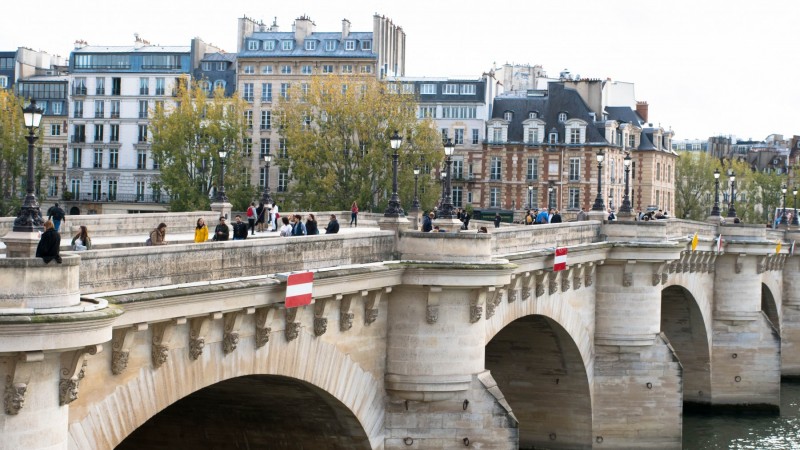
(57, 332)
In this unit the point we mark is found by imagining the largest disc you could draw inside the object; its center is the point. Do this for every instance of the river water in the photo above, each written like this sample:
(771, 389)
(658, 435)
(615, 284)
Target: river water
(704, 431)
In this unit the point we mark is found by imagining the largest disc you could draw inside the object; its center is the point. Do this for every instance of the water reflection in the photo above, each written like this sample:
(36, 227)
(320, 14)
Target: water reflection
(747, 431)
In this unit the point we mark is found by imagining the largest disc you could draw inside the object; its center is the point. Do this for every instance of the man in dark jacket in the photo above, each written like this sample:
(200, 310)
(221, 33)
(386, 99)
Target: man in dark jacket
(333, 225)
(427, 223)
(222, 232)
(49, 245)
(556, 217)
(239, 229)
(497, 220)
(57, 214)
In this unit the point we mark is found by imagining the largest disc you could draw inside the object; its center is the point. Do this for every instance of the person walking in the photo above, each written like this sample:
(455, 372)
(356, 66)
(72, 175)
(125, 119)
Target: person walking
(49, 246)
(274, 216)
(542, 217)
(201, 231)
(58, 215)
(222, 232)
(333, 225)
(82, 241)
(556, 217)
(260, 211)
(354, 214)
(286, 229)
(239, 229)
(311, 225)
(298, 228)
(251, 218)
(497, 220)
(159, 234)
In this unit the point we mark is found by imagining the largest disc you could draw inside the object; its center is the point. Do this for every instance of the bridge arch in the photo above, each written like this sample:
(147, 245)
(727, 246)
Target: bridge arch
(309, 363)
(769, 304)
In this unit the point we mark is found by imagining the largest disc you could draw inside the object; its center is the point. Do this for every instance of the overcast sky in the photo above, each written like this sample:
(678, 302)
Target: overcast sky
(706, 67)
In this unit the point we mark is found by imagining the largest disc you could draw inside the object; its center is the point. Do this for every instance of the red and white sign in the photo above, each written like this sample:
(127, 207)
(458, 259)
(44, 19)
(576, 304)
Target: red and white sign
(298, 289)
(560, 262)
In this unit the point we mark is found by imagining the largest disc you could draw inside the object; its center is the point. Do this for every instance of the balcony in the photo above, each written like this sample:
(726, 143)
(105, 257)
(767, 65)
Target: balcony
(79, 90)
(248, 98)
(159, 91)
(78, 139)
(98, 114)
(143, 114)
(100, 91)
(144, 91)
(115, 115)
(156, 197)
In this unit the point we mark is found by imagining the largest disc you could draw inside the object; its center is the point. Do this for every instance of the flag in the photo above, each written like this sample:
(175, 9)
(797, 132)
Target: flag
(720, 241)
(778, 248)
(694, 241)
(560, 261)
(298, 289)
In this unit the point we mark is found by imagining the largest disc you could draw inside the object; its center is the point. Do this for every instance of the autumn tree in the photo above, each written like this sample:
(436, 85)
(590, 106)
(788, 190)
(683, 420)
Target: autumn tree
(187, 138)
(336, 148)
(13, 151)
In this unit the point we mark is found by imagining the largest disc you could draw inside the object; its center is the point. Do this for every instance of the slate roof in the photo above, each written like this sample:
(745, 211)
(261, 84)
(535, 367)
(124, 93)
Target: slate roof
(624, 114)
(211, 57)
(299, 51)
(132, 49)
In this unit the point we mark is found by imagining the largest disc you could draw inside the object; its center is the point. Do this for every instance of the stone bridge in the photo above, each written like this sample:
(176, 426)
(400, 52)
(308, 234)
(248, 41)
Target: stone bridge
(413, 340)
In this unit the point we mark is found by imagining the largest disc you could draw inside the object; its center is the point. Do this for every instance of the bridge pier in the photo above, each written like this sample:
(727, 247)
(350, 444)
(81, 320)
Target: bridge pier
(790, 316)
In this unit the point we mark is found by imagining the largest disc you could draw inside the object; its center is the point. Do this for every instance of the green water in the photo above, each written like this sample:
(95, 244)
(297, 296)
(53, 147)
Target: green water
(718, 431)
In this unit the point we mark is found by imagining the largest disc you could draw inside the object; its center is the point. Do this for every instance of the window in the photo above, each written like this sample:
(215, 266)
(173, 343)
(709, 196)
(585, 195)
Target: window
(57, 108)
(219, 84)
(98, 158)
(306, 69)
(79, 86)
(310, 44)
(494, 197)
(142, 133)
(350, 45)
(658, 173)
(408, 88)
(3, 81)
(249, 70)
(366, 45)
(366, 69)
(427, 89)
(330, 45)
(508, 115)
(100, 86)
(252, 45)
(266, 120)
(247, 92)
(327, 68)
(52, 187)
(99, 109)
(495, 168)
(141, 159)
(266, 92)
(269, 45)
(207, 66)
(112, 190)
(458, 136)
(304, 88)
(283, 179)
(553, 138)
(468, 89)
(116, 86)
(55, 156)
(282, 150)
(168, 62)
(562, 117)
(160, 86)
(427, 112)
(458, 195)
(114, 107)
(55, 129)
(75, 187)
(533, 115)
(533, 169)
(247, 145)
(497, 135)
(248, 118)
(144, 86)
(348, 68)
(450, 89)
(476, 134)
(79, 133)
(287, 45)
(574, 135)
(458, 169)
(286, 69)
(76, 158)
(265, 146)
(77, 107)
(98, 133)
(533, 135)
(7, 63)
(285, 90)
(459, 112)
(574, 198)
(445, 134)
(113, 158)
(266, 70)
(574, 169)
(140, 191)
(142, 109)
(97, 188)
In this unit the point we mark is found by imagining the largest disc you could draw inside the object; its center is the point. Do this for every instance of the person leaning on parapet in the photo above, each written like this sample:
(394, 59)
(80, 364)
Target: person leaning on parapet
(201, 232)
(82, 241)
(286, 229)
(298, 227)
(221, 231)
(556, 217)
(239, 229)
(50, 244)
(333, 225)
(427, 223)
(311, 225)
(582, 216)
(57, 214)
(159, 235)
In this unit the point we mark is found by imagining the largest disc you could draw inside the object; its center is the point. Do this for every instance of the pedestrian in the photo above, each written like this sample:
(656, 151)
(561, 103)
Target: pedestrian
(529, 218)
(582, 216)
(274, 216)
(311, 225)
(286, 229)
(497, 220)
(466, 218)
(542, 217)
(427, 223)
(239, 229)
(298, 228)
(260, 212)
(82, 241)
(611, 215)
(550, 215)
(354, 214)
(158, 235)
(251, 218)
(49, 244)
(333, 225)
(58, 215)
(556, 217)
(201, 232)
(221, 231)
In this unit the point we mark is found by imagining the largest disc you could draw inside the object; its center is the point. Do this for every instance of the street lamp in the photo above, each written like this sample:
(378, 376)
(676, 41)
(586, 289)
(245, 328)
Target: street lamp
(715, 209)
(794, 216)
(732, 208)
(550, 190)
(626, 199)
(415, 203)
(784, 219)
(530, 196)
(598, 201)
(221, 197)
(394, 209)
(265, 197)
(30, 217)
(447, 203)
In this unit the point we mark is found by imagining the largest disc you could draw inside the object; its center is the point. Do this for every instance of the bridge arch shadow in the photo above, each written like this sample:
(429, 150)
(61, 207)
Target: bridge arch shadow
(540, 371)
(770, 306)
(683, 323)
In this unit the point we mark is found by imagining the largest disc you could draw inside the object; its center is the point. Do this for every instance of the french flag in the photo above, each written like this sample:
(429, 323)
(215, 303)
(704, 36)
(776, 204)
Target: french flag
(560, 262)
(298, 289)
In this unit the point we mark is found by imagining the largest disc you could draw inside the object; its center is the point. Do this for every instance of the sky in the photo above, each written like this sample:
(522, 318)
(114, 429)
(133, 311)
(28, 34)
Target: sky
(706, 67)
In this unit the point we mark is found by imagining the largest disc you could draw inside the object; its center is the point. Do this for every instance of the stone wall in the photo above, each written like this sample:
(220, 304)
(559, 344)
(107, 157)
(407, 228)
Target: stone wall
(532, 237)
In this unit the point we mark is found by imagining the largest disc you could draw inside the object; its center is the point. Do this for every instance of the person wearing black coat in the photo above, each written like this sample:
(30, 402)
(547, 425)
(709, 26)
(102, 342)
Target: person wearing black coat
(333, 225)
(311, 225)
(556, 217)
(427, 223)
(239, 229)
(221, 232)
(49, 245)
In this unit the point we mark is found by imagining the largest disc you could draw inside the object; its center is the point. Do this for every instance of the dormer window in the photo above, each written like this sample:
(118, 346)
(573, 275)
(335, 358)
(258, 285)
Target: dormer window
(450, 89)
(269, 45)
(350, 45)
(366, 45)
(287, 45)
(575, 131)
(252, 45)
(310, 44)
(330, 45)
(552, 138)
(533, 115)
(562, 117)
(508, 115)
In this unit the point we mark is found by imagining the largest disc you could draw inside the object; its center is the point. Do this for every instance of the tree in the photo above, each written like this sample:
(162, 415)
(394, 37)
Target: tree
(187, 138)
(13, 151)
(694, 183)
(336, 147)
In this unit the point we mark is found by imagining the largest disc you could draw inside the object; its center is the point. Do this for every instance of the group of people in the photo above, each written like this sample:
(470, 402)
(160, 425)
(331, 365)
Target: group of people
(536, 216)
(296, 227)
(263, 217)
(49, 247)
(293, 226)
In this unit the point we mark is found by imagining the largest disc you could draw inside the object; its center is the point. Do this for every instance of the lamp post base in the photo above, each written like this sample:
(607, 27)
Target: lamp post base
(390, 223)
(21, 244)
(222, 209)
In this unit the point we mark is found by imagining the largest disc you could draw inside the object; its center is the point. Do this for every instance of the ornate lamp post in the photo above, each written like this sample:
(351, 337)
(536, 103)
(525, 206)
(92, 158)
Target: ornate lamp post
(732, 208)
(794, 216)
(30, 217)
(715, 209)
(625, 209)
(221, 197)
(265, 197)
(784, 219)
(598, 201)
(447, 203)
(394, 209)
(415, 203)
(530, 196)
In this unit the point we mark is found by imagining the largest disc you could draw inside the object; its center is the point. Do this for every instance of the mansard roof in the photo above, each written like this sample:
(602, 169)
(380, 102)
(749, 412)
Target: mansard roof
(624, 114)
(219, 56)
(300, 51)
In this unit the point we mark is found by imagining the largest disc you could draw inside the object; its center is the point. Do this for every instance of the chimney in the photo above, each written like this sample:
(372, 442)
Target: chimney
(303, 27)
(641, 109)
(80, 43)
(345, 28)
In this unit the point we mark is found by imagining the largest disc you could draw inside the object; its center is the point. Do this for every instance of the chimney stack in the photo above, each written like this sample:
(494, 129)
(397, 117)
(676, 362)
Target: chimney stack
(345, 28)
(641, 109)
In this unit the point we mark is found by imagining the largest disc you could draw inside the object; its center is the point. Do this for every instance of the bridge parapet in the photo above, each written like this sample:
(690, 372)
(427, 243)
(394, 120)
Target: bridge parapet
(509, 240)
